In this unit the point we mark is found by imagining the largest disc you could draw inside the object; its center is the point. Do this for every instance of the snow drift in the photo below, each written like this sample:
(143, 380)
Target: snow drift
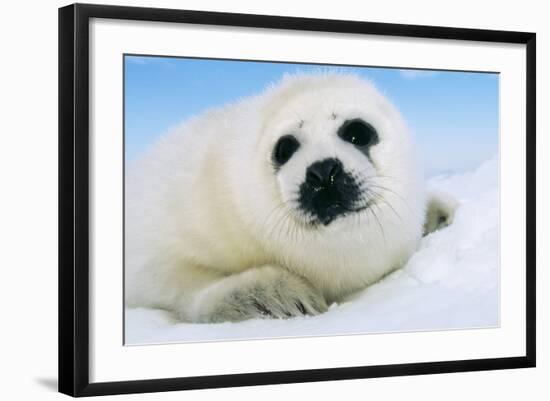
(451, 282)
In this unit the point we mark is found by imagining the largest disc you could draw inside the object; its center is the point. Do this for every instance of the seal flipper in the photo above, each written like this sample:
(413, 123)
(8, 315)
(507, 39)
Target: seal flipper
(440, 212)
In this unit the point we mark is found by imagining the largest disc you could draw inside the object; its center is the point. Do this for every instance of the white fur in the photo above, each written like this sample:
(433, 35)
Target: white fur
(211, 231)
(440, 211)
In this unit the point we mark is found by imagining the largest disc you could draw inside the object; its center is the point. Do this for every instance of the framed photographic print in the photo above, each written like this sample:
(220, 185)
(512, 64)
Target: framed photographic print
(251, 199)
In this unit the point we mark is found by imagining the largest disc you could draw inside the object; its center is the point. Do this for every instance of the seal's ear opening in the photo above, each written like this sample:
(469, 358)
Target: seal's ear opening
(440, 212)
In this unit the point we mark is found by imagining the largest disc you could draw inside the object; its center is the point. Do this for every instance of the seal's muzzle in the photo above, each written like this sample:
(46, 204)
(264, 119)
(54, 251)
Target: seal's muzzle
(328, 191)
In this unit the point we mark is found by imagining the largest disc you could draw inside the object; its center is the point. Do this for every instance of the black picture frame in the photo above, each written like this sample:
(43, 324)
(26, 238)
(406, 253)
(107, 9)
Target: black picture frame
(74, 198)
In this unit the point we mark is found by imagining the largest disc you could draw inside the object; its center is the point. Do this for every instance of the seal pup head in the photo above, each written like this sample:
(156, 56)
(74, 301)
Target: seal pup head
(340, 155)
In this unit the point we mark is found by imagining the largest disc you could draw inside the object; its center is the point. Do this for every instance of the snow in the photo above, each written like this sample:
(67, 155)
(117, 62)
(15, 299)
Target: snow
(451, 282)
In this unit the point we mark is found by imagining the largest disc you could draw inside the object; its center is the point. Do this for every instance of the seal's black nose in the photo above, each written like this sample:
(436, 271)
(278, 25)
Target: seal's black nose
(328, 191)
(324, 172)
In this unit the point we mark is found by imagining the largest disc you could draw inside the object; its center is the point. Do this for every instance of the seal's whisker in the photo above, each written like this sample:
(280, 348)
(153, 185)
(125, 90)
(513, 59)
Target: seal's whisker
(383, 188)
(276, 209)
(279, 220)
(379, 224)
(282, 221)
(382, 199)
(388, 177)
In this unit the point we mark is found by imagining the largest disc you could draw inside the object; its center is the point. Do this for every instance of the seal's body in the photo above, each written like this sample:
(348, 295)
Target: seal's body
(274, 206)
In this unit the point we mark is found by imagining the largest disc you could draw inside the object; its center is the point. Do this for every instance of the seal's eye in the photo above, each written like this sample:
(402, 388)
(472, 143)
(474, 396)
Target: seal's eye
(358, 133)
(284, 149)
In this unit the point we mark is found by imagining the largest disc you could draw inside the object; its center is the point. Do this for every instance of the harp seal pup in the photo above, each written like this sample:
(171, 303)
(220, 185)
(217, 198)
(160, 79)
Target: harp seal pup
(277, 205)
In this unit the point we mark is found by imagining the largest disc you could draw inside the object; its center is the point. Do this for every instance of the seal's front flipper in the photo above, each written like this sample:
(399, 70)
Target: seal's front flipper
(440, 211)
(262, 292)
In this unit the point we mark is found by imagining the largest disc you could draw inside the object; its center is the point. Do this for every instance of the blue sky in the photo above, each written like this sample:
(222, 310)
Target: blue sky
(452, 115)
